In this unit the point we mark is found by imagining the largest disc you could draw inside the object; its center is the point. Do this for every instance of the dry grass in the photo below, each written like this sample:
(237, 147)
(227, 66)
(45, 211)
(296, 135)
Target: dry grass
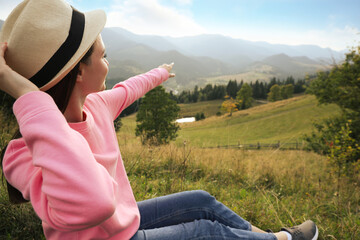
(269, 188)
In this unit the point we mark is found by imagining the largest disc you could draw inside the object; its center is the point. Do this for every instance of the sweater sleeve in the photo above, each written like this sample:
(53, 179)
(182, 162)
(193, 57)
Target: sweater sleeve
(70, 191)
(125, 93)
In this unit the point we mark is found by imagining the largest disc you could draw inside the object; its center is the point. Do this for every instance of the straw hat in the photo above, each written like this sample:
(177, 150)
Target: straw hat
(47, 38)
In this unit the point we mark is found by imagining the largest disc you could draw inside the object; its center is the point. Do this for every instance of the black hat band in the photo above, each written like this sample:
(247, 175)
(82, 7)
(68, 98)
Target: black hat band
(64, 53)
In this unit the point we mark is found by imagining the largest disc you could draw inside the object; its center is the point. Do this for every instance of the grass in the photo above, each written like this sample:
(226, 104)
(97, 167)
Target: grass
(285, 121)
(18, 222)
(269, 188)
(209, 108)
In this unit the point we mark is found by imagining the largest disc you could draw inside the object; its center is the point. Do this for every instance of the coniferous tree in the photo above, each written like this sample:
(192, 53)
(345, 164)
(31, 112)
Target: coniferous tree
(156, 118)
(195, 95)
(232, 88)
(244, 97)
(256, 90)
(263, 92)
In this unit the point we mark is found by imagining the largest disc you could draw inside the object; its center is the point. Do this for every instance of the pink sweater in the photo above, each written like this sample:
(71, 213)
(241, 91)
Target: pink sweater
(73, 173)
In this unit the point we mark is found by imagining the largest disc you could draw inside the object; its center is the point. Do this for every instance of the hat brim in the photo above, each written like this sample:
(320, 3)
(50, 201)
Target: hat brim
(94, 24)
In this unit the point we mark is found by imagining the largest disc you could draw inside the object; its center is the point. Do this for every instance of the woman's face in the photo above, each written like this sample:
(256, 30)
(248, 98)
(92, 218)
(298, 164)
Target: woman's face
(94, 74)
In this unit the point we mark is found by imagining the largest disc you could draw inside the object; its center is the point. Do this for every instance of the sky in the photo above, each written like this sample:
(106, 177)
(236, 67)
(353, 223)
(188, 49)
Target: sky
(326, 23)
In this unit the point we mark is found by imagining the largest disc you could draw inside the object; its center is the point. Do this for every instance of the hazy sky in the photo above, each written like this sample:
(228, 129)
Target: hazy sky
(326, 23)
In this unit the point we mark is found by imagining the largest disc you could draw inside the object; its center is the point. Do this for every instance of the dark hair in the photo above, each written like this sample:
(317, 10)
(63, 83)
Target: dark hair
(61, 93)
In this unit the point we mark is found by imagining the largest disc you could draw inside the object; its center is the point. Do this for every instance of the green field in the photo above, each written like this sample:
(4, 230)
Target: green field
(284, 121)
(269, 188)
(209, 108)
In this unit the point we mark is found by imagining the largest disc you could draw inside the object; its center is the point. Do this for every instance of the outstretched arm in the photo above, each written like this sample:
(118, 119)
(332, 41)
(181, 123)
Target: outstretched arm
(126, 92)
(10, 81)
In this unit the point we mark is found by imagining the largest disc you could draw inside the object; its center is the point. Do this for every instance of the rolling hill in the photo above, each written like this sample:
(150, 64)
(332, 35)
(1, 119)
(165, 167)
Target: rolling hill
(286, 121)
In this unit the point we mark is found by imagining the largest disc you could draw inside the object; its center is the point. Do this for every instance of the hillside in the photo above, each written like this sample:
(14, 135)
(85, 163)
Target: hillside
(280, 66)
(296, 65)
(285, 121)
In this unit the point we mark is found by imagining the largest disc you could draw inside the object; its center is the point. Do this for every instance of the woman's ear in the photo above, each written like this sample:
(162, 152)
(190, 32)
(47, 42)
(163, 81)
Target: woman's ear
(80, 74)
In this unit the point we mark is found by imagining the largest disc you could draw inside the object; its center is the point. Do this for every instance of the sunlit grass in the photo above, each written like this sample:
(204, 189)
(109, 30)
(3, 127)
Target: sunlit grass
(269, 188)
(285, 121)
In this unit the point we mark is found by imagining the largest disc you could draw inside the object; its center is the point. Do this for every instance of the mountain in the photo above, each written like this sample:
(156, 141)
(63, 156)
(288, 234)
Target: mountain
(201, 59)
(191, 46)
(227, 48)
(206, 58)
(1, 23)
(295, 65)
(311, 51)
(128, 58)
(155, 42)
(279, 66)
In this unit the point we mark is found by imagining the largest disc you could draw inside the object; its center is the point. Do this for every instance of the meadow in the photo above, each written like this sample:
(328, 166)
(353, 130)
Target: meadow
(269, 188)
(284, 121)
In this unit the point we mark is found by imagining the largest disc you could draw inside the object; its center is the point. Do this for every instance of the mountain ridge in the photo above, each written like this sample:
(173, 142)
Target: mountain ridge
(202, 58)
(224, 56)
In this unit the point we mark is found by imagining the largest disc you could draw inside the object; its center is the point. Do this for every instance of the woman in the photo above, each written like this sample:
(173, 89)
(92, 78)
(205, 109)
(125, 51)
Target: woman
(67, 161)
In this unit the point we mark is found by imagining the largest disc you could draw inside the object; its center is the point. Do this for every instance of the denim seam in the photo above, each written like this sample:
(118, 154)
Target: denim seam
(209, 210)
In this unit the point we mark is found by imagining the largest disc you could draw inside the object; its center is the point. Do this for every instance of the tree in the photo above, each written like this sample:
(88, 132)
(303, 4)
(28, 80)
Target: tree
(195, 95)
(256, 90)
(275, 93)
(263, 91)
(287, 91)
(339, 137)
(156, 118)
(199, 116)
(232, 88)
(244, 97)
(272, 82)
(229, 105)
(290, 80)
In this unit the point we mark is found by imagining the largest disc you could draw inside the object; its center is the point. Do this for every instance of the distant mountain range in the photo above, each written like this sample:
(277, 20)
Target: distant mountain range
(208, 58)
(216, 59)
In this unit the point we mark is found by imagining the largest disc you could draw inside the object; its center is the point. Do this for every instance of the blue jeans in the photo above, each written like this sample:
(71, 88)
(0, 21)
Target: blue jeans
(192, 215)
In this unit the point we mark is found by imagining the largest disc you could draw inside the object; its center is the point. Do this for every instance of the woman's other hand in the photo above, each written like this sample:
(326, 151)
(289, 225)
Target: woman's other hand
(3, 67)
(168, 67)
(11, 82)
